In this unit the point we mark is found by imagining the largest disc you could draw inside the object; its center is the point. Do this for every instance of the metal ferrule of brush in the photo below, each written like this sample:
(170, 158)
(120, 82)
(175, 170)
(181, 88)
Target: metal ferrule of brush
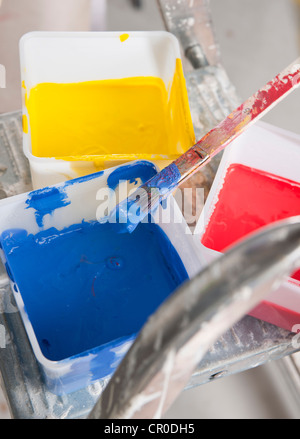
(191, 161)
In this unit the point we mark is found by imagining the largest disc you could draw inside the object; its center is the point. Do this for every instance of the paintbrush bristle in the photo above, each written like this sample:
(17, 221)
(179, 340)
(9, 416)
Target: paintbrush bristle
(135, 209)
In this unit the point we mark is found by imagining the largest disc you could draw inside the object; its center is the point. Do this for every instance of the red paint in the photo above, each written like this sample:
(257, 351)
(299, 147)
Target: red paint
(297, 275)
(273, 313)
(276, 88)
(249, 200)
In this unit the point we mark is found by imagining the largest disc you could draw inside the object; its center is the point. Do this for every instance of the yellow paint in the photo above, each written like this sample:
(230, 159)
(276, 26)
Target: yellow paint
(25, 123)
(124, 37)
(111, 121)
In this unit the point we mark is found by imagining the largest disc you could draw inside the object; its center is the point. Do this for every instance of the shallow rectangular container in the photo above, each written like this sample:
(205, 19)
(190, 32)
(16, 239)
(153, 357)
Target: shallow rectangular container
(73, 57)
(274, 151)
(77, 201)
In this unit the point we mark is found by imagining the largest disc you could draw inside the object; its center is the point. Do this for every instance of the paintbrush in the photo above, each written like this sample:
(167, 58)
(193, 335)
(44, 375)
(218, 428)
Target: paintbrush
(130, 212)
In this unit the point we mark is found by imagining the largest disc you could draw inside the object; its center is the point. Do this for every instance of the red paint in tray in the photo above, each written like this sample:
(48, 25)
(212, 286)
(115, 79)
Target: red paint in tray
(249, 200)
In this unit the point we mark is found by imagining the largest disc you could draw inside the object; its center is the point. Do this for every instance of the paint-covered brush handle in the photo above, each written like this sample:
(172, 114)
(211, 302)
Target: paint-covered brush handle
(250, 111)
(162, 184)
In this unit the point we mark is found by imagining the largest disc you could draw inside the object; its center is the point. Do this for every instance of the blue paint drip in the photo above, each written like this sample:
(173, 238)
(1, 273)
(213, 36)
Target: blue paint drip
(86, 286)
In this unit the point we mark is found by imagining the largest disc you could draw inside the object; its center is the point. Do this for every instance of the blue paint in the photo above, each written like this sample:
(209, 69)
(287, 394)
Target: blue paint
(86, 286)
(120, 217)
(87, 290)
(45, 201)
(132, 211)
(166, 180)
(83, 179)
(125, 218)
(145, 170)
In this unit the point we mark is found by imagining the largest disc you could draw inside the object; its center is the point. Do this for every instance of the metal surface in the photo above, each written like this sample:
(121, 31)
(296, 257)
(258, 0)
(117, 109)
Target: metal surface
(247, 344)
(190, 21)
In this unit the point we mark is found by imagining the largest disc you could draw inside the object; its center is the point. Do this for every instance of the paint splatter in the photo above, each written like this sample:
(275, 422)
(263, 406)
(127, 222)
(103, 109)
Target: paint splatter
(46, 201)
(124, 37)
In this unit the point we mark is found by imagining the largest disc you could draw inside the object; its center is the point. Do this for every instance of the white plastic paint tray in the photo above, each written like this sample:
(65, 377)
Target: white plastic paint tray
(78, 201)
(274, 151)
(72, 57)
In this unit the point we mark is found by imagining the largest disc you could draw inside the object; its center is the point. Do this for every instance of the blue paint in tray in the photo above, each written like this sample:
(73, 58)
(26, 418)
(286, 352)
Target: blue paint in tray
(88, 290)
(86, 286)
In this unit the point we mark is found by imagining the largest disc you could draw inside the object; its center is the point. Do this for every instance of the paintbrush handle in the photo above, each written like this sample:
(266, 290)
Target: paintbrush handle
(251, 110)
(150, 194)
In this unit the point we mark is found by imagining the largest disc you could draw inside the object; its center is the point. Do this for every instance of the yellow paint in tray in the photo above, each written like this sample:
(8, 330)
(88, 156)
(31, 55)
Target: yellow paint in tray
(108, 120)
